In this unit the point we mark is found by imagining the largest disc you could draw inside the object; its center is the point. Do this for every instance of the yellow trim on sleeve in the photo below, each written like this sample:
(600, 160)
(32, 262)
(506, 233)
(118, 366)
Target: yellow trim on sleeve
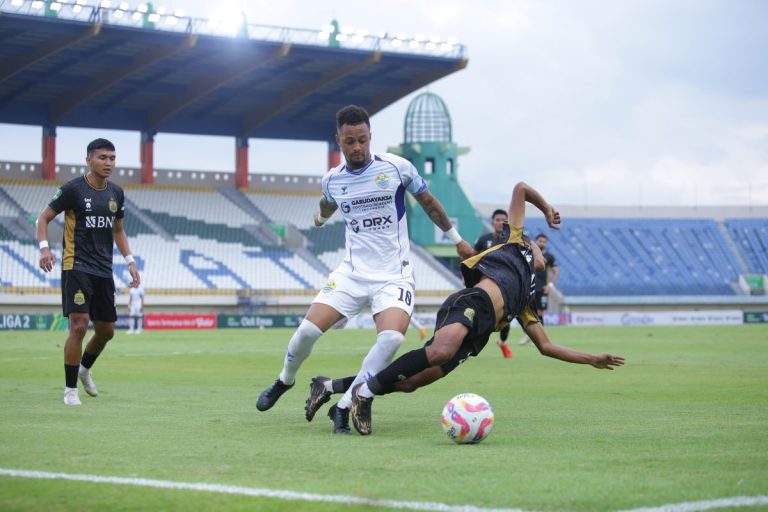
(515, 235)
(68, 259)
(472, 261)
(527, 317)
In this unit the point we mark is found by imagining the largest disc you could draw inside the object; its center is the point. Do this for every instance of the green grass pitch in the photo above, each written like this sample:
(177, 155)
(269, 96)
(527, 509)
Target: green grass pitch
(685, 420)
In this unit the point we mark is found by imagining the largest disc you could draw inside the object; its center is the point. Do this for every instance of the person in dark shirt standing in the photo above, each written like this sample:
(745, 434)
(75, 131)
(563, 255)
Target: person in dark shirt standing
(93, 221)
(545, 279)
(499, 219)
(488, 240)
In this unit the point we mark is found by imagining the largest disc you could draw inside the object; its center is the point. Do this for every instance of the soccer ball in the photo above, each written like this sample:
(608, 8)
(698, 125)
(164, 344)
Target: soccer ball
(467, 418)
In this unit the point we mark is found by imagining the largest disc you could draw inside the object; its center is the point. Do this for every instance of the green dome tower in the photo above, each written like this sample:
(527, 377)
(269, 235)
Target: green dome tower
(429, 146)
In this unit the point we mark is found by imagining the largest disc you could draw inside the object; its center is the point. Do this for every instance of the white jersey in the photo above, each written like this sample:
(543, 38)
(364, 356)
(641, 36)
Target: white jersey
(135, 303)
(372, 202)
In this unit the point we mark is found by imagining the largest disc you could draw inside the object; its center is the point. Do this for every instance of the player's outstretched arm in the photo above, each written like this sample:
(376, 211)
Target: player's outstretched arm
(435, 211)
(538, 335)
(524, 193)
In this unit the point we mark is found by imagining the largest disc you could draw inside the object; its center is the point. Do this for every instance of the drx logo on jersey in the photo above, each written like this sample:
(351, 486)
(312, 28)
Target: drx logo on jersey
(372, 224)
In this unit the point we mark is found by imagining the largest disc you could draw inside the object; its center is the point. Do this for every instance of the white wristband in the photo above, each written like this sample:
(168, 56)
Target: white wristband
(43, 244)
(322, 219)
(129, 259)
(454, 235)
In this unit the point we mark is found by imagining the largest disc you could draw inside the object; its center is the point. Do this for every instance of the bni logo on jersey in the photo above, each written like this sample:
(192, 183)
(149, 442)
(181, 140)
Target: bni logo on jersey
(99, 221)
(329, 286)
(382, 181)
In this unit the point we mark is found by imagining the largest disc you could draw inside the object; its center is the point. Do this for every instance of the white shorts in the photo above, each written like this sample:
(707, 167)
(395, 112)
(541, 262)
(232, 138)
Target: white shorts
(348, 296)
(135, 312)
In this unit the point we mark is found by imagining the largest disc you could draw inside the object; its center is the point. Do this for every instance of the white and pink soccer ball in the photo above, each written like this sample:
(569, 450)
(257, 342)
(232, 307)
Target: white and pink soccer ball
(467, 418)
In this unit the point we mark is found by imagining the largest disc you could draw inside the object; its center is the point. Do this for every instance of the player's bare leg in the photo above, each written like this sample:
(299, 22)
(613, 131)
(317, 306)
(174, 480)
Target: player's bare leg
(73, 348)
(103, 332)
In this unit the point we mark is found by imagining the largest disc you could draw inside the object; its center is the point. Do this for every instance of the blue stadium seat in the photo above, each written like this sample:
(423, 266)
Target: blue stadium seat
(214, 250)
(751, 237)
(641, 256)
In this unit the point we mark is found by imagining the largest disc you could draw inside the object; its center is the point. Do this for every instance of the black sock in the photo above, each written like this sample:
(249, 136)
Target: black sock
(88, 359)
(401, 368)
(342, 385)
(70, 375)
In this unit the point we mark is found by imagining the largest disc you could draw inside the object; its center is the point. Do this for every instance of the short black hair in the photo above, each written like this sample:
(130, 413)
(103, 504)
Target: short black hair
(499, 212)
(542, 235)
(99, 144)
(352, 115)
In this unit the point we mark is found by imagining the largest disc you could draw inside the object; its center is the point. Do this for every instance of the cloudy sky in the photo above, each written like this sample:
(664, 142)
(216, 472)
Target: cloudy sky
(647, 102)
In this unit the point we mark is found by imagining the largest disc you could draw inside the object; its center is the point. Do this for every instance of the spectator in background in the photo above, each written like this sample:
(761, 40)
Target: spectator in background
(422, 330)
(136, 310)
(488, 240)
(499, 220)
(546, 293)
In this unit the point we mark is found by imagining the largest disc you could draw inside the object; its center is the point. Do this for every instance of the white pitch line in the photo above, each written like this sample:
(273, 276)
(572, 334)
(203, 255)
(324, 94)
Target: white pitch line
(695, 506)
(251, 491)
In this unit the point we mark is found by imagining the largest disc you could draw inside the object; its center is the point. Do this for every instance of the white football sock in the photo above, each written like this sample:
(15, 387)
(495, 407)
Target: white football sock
(299, 349)
(364, 391)
(380, 355)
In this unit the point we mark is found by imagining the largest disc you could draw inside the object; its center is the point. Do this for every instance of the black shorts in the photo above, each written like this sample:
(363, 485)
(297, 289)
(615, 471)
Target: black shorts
(87, 293)
(472, 308)
(542, 300)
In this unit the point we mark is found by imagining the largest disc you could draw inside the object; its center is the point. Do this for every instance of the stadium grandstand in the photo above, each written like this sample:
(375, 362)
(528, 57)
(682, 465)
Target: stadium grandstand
(225, 243)
(232, 241)
(217, 239)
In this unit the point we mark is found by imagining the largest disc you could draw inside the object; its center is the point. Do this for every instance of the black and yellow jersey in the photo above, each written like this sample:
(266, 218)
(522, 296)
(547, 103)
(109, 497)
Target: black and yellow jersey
(510, 266)
(543, 276)
(89, 220)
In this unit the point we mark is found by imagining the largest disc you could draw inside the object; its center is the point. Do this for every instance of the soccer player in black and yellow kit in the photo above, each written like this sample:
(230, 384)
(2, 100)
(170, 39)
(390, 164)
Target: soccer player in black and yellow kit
(500, 287)
(499, 220)
(93, 220)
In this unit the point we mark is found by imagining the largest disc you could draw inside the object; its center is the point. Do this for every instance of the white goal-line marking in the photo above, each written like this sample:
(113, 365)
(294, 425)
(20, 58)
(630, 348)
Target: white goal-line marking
(252, 491)
(693, 506)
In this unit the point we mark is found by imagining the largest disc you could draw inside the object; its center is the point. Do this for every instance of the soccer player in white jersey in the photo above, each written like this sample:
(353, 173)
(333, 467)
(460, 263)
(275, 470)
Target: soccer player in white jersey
(369, 189)
(135, 310)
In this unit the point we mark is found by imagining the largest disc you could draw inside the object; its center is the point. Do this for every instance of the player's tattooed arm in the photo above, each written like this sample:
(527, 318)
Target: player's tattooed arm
(434, 210)
(326, 208)
(324, 213)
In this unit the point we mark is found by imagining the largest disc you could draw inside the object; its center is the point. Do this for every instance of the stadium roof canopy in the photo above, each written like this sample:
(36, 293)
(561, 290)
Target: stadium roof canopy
(93, 70)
